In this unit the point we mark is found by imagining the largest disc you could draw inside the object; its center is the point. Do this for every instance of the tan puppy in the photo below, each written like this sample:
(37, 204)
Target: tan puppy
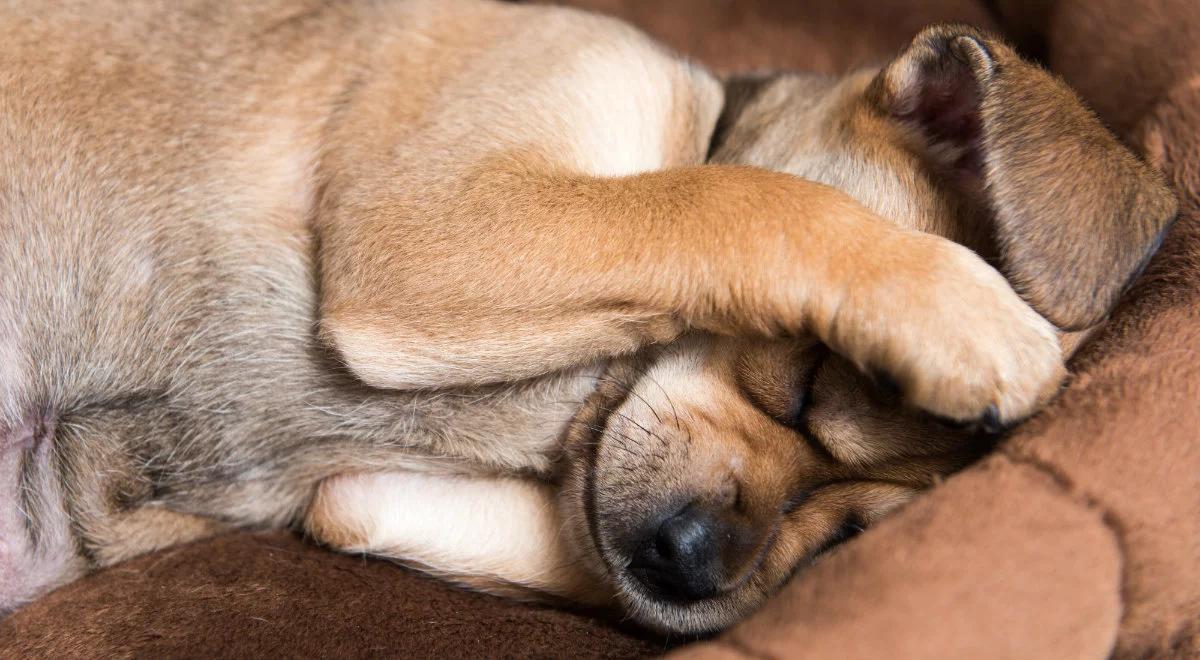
(501, 205)
(699, 479)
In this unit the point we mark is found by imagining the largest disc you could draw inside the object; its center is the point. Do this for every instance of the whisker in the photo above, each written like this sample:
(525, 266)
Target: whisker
(633, 421)
(646, 374)
(634, 392)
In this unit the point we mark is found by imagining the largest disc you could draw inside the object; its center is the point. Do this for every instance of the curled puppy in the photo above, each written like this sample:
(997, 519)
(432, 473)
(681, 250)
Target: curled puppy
(467, 255)
(699, 479)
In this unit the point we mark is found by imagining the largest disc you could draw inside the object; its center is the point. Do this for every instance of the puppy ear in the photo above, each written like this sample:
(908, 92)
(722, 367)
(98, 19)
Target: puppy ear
(1076, 214)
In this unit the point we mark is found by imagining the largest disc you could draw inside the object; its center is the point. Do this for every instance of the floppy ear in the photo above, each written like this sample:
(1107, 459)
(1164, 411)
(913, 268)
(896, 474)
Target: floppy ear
(1076, 215)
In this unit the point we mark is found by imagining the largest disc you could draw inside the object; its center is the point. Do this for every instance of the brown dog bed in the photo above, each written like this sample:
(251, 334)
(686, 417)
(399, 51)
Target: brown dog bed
(1080, 537)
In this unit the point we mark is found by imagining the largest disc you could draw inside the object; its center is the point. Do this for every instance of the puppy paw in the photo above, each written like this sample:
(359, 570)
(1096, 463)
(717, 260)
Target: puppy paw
(951, 332)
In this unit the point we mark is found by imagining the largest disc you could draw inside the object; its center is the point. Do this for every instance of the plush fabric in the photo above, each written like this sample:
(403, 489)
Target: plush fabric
(828, 36)
(1078, 538)
(273, 595)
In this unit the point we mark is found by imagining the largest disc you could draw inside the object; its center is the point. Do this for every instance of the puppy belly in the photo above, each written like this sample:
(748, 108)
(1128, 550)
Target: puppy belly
(501, 535)
(36, 549)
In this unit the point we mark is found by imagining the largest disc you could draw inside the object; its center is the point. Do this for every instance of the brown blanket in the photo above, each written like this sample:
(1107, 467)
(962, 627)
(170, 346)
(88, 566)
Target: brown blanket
(1080, 537)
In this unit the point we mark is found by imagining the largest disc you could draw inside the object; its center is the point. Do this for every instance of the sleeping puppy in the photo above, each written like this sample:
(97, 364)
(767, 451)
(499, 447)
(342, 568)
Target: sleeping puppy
(449, 280)
(699, 478)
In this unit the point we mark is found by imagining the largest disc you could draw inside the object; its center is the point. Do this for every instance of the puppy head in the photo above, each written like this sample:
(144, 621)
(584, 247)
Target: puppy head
(703, 479)
(707, 475)
(960, 137)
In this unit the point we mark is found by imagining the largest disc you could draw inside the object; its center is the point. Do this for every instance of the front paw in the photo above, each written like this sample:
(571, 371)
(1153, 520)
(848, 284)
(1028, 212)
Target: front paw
(953, 335)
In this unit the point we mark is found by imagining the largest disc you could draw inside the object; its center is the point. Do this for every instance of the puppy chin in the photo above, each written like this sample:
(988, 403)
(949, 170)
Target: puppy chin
(698, 617)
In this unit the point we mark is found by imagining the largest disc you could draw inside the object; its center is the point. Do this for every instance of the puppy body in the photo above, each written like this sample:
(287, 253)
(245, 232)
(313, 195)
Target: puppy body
(868, 456)
(488, 210)
(162, 169)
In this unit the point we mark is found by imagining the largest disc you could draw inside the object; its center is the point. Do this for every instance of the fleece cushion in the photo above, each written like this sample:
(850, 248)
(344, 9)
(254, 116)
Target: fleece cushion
(1078, 538)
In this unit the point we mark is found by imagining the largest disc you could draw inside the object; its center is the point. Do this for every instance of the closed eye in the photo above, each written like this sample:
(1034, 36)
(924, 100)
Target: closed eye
(776, 377)
(796, 416)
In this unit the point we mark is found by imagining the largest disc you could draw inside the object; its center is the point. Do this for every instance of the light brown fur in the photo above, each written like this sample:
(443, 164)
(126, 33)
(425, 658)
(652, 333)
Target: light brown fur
(490, 211)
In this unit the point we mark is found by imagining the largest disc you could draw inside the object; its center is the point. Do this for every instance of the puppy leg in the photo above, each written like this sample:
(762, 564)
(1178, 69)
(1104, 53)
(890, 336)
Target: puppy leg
(571, 269)
(499, 535)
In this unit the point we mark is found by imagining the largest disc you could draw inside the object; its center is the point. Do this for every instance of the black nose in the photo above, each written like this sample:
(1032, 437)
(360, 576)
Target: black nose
(681, 559)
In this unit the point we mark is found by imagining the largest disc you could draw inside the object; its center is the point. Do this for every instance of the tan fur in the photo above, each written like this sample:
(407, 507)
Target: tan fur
(692, 272)
(497, 534)
(382, 269)
(148, 529)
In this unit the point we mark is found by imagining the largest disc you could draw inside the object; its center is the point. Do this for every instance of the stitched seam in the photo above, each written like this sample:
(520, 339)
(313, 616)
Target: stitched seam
(1107, 518)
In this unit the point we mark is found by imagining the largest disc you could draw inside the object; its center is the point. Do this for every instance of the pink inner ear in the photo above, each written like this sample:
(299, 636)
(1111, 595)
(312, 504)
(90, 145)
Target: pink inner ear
(943, 102)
